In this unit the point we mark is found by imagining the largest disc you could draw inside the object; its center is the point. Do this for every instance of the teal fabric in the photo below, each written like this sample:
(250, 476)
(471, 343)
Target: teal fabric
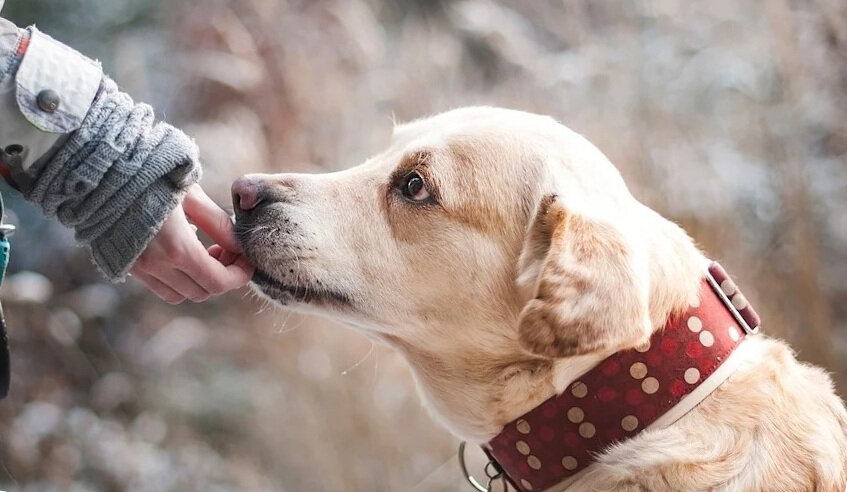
(5, 246)
(5, 368)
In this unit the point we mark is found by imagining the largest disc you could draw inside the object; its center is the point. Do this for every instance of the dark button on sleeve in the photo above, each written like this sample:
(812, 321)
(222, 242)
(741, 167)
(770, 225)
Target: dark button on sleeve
(48, 100)
(55, 85)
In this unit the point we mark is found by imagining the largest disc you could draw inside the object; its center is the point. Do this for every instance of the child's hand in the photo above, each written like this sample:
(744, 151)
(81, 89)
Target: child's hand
(176, 266)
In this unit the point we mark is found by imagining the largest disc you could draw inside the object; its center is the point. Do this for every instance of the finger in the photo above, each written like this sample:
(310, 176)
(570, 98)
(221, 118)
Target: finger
(216, 277)
(164, 292)
(243, 267)
(226, 258)
(215, 251)
(210, 218)
(182, 283)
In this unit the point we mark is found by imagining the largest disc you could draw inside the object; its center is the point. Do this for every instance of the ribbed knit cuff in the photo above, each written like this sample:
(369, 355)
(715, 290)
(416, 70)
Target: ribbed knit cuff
(116, 179)
(141, 214)
(115, 251)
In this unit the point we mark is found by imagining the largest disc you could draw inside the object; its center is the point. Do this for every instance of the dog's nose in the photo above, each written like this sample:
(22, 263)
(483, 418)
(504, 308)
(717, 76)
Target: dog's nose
(247, 193)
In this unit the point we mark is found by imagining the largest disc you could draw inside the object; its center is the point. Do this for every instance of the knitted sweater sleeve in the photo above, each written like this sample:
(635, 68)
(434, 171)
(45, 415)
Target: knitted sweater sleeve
(116, 179)
(113, 173)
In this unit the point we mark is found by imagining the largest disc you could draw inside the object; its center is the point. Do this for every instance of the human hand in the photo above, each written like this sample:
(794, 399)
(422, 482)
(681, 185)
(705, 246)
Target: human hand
(176, 266)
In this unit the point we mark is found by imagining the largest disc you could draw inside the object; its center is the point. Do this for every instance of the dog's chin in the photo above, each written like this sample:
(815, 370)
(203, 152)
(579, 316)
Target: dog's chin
(301, 294)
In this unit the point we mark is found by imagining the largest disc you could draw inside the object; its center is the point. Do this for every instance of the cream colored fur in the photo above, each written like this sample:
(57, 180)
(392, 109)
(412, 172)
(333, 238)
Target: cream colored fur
(532, 263)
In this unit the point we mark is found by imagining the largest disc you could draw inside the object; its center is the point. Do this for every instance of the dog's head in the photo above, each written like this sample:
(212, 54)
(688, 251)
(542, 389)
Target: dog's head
(489, 226)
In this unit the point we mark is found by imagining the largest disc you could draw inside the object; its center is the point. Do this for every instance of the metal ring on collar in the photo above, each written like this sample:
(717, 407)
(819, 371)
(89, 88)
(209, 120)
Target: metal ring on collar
(491, 471)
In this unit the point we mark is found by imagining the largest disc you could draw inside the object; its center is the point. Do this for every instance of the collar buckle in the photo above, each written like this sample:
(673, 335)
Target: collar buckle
(724, 287)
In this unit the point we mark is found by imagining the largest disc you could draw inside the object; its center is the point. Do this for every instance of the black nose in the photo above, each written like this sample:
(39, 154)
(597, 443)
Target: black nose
(247, 193)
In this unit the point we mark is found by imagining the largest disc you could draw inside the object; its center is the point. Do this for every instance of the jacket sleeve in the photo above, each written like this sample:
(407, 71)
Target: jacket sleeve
(84, 151)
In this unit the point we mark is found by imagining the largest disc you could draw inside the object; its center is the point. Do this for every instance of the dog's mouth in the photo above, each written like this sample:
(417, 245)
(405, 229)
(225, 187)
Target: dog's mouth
(303, 294)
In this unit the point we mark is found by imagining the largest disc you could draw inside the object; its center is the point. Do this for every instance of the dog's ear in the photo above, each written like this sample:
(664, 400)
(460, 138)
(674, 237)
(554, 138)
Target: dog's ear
(586, 289)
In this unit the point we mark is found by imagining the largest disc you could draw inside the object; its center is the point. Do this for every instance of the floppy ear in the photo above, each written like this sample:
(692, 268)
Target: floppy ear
(588, 294)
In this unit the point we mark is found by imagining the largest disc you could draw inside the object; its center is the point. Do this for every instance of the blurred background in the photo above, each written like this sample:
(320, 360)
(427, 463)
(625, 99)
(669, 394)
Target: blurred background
(728, 116)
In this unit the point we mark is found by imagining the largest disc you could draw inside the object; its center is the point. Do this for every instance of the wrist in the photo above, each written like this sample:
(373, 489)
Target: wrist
(116, 249)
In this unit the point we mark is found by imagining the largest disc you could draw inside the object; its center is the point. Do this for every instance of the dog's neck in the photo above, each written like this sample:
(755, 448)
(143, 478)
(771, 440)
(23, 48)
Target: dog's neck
(475, 386)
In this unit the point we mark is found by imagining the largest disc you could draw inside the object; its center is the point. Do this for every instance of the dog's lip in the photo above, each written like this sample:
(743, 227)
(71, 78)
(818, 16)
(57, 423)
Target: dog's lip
(300, 293)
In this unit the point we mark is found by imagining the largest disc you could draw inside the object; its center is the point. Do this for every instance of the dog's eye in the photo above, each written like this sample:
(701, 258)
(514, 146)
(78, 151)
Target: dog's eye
(414, 188)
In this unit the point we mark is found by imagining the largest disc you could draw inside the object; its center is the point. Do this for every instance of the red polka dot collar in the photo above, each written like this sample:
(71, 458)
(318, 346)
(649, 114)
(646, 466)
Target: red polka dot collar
(627, 392)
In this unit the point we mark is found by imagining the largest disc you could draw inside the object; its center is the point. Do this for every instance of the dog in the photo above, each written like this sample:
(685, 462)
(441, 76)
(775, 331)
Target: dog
(503, 255)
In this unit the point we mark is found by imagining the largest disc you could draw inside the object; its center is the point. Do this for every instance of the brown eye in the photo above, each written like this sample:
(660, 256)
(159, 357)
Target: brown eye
(414, 188)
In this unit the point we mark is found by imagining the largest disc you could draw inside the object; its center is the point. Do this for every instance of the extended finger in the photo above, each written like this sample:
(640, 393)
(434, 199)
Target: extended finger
(210, 218)
(182, 283)
(216, 276)
(215, 251)
(225, 257)
(164, 292)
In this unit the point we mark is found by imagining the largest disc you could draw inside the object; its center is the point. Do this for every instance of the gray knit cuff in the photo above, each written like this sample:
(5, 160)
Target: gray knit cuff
(116, 179)
(115, 250)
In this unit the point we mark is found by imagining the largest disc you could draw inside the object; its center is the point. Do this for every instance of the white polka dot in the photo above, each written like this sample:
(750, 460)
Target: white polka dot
(629, 423)
(706, 338)
(692, 375)
(694, 324)
(739, 301)
(533, 462)
(569, 463)
(587, 430)
(644, 347)
(733, 333)
(579, 389)
(525, 484)
(522, 447)
(638, 370)
(576, 415)
(523, 426)
(728, 287)
(650, 385)
(694, 300)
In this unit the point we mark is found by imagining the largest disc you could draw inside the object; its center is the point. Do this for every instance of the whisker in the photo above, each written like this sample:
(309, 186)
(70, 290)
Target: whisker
(282, 328)
(360, 361)
(294, 328)
(376, 369)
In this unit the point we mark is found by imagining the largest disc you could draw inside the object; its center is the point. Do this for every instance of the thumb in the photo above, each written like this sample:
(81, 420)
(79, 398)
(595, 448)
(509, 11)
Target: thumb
(243, 265)
(210, 218)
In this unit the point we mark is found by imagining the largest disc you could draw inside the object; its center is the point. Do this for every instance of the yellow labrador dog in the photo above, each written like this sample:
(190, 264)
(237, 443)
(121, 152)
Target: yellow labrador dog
(504, 257)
